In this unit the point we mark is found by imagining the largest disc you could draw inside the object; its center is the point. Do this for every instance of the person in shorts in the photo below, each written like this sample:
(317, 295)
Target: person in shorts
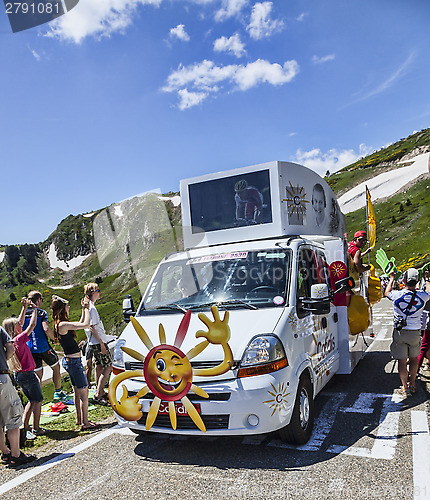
(98, 345)
(10, 409)
(406, 344)
(24, 369)
(39, 345)
(64, 331)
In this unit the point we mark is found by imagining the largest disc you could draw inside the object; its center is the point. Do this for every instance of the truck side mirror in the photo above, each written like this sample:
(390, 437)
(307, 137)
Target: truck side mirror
(127, 314)
(345, 285)
(319, 303)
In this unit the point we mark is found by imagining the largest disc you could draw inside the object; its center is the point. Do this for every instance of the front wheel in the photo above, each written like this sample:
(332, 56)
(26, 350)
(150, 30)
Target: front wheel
(299, 430)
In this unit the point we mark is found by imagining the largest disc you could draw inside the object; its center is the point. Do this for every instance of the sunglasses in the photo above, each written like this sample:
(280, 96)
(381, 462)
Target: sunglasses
(64, 301)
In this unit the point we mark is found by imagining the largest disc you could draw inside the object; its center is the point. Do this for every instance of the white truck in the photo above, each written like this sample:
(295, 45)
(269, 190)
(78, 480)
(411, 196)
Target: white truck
(237, 334)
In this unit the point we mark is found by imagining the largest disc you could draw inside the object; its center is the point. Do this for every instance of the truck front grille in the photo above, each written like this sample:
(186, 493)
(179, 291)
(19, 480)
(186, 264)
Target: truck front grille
(138, 365)
(212, 422)
(214, 396)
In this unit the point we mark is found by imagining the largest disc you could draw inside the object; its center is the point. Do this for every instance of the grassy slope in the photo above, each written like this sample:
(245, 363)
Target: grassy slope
(402, 234)
(376, 163)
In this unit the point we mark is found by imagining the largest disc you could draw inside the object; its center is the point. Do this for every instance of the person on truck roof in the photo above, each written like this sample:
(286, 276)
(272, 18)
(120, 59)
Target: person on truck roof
(354, 248)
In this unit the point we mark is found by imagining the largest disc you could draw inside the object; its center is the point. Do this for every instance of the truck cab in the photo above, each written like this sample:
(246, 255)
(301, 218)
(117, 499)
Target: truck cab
(262, 282)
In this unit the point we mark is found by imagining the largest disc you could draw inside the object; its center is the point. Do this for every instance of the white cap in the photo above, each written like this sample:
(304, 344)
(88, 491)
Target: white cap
(411, 276)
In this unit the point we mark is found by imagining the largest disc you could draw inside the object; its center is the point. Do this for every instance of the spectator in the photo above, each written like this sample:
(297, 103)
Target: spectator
(425, 326)
(97, 344)
(64, 331)
(10, 410)
(408, 305)
(39, 344)
(24, 371)
(354, 249)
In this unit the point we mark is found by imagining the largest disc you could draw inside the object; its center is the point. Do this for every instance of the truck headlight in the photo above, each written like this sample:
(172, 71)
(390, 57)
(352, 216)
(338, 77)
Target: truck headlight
(118, 364)
(264, 354)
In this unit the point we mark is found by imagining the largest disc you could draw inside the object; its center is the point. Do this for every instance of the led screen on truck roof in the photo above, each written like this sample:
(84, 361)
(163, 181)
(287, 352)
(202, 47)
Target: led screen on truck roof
(229, 202)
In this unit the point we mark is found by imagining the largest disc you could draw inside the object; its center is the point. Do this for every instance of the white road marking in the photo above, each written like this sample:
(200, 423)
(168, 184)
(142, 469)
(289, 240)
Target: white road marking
(363, 404)
(384, 446)
(55, 461)
(421, 454)
(322, 427)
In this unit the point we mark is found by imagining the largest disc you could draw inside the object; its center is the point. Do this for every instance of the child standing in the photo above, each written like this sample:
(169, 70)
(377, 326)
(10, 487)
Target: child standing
(24, 369)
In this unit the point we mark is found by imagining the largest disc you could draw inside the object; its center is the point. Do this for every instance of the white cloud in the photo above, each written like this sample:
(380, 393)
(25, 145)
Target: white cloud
(180, 33)
(386, 84)
(301, 17)
(332, 160)
(261, 25)
(189, 99)
(263, 71)
(206, 78)
(323, 59)
(96, 18)
(36, 55)
(232, 45)
(230, 8)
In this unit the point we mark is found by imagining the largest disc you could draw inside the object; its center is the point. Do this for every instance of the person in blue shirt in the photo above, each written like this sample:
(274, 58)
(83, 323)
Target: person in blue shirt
(39, 344)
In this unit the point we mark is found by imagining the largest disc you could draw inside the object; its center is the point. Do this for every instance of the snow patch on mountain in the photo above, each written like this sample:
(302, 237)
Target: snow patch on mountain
(62, 264)
(385, 184)
(176, 200)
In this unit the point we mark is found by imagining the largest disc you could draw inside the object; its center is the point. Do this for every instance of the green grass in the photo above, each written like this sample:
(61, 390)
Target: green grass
(402, 227)
(376, 163)
(64, 427)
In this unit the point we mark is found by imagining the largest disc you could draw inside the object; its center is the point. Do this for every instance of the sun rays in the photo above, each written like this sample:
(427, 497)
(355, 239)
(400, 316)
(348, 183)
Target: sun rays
(168, 372)
(161, 353)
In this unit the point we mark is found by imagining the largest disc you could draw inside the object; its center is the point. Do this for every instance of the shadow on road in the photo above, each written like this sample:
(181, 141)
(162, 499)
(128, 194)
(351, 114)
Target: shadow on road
(352, 428)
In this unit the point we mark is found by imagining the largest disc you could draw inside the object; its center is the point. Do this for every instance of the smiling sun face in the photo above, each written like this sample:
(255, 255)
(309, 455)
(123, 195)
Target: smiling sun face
(168, 372)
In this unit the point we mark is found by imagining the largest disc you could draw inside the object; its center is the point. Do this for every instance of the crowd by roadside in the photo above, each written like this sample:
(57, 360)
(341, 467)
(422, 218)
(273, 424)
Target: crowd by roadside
(25, 346)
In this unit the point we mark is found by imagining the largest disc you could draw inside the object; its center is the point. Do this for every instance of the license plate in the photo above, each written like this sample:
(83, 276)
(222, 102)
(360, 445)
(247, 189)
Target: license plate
(179, 407)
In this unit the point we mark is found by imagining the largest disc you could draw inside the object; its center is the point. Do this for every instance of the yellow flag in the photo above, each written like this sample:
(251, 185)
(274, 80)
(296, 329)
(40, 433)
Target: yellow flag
(371, 221)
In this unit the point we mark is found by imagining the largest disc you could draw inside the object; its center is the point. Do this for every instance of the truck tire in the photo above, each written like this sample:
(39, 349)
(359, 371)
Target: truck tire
(299, 430)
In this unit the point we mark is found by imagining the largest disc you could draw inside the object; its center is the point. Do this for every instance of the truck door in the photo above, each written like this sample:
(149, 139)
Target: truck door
(319, 331)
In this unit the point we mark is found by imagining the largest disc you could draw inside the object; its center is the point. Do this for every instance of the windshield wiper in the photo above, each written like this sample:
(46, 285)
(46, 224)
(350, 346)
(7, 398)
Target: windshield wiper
(170, 307)
(225, 303)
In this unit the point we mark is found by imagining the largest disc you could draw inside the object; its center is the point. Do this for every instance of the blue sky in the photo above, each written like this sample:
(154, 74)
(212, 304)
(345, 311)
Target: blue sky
(118, 97)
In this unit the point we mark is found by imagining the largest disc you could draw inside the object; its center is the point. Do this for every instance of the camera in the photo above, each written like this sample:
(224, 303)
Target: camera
(399, 323)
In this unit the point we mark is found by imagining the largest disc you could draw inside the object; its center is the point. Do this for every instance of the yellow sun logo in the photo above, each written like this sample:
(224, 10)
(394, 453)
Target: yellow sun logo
(338, 268)
(168, 372)
(296, 200)
(279, 401)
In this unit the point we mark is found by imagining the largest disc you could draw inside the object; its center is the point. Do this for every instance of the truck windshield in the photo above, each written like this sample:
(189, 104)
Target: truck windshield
(238, 279)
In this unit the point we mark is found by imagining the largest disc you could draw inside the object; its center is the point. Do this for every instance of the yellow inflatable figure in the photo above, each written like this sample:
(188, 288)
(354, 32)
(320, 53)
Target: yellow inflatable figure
(358, 314)
(374, 287)
(168, 372)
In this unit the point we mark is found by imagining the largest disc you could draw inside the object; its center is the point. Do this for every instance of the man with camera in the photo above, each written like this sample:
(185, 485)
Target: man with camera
(408, 305)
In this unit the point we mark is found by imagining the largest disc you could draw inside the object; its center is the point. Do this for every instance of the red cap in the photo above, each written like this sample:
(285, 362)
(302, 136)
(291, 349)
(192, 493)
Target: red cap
(360, 234)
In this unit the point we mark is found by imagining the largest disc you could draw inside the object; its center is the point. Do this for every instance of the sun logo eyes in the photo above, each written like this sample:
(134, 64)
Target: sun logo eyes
(161, 365)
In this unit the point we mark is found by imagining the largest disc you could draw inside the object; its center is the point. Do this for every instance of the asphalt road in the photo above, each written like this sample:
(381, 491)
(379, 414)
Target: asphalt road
(367, 444)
